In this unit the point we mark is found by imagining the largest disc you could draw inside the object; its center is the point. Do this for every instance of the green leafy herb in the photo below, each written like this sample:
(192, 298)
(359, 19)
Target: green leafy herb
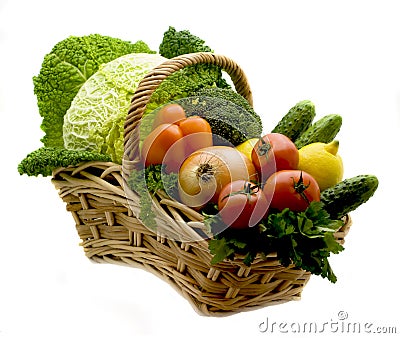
(224, 248)
(227, 241)
(305, 239)
(146, 182)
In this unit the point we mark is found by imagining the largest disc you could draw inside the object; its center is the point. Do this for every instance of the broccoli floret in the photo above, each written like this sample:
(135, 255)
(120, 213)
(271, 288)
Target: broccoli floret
(185, 82)
(177, 43)
(44, 160)
(231, 117)
(229, 95)
(64, 70)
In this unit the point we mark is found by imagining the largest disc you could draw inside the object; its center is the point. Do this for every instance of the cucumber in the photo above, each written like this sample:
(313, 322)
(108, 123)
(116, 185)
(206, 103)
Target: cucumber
(324, 130)
(297, 120)
(348, 194)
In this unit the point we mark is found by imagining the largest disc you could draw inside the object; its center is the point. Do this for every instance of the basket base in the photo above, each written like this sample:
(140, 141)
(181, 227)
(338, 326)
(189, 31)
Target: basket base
(203, 306)
(110, 233)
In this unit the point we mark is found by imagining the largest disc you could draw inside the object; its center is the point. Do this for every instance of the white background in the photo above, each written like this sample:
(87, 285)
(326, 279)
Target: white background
(342, 55)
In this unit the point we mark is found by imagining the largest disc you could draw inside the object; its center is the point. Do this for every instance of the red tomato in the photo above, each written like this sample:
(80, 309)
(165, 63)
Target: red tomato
(170, 113)
(158, 142)
(242, 204)
(197, 134)
(274, 152)
(293, 189)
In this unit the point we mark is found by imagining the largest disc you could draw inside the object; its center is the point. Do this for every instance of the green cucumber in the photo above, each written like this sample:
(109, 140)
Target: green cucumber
(324, 130)
(297, 120)
(348, 194)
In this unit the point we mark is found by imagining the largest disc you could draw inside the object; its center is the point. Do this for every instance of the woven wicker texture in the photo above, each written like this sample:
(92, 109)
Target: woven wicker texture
(104, 212)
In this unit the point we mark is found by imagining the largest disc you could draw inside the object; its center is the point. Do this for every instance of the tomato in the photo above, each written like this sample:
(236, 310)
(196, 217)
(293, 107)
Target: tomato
(171, 143)
(242, 204)
(293, 189)
(170, 113)
(274, 152)
(206, 171)
(158, 142)
(197, 134)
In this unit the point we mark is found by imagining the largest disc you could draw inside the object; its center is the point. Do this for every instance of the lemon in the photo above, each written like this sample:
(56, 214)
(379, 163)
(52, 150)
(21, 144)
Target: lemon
(321, 160)
(247, 147)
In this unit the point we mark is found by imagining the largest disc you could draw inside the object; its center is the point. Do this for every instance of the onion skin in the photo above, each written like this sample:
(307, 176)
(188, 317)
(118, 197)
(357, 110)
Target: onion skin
(206, 171)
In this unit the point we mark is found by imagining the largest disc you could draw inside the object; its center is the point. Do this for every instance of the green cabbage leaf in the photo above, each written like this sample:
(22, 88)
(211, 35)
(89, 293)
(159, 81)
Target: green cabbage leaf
(66, 68)
(95, 120)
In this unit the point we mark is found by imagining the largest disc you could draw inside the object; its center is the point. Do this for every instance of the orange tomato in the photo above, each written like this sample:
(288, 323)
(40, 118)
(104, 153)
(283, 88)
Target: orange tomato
(171, 143)
(170, 113)
(158, 142)
(197, 134)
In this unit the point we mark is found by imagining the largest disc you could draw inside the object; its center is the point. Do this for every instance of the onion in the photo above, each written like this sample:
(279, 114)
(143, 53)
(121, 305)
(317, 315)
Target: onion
(206, 171)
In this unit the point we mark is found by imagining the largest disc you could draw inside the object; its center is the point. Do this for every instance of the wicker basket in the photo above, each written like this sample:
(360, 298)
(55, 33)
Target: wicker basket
(105, 215)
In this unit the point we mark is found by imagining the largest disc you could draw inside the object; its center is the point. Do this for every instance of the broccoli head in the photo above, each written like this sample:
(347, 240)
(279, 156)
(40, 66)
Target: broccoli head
(64, 70)
(231, 117)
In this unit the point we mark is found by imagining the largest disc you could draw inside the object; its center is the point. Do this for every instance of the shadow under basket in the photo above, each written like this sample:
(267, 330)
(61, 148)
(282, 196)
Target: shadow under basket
(95, 193)
(110, 233)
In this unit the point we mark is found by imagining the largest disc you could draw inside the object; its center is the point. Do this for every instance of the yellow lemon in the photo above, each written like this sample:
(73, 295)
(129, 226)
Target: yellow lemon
(247, 147)
(322, 161)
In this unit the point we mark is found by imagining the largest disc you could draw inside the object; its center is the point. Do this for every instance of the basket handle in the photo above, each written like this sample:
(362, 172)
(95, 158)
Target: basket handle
(153, 79)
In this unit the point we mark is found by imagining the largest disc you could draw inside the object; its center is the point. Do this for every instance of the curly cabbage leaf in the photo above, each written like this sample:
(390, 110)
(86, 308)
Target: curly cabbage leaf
(44, 160)
(66, 68)
(95, 120)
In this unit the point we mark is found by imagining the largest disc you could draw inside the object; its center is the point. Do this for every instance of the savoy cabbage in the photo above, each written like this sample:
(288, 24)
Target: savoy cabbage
(97, 114)
(66, 68)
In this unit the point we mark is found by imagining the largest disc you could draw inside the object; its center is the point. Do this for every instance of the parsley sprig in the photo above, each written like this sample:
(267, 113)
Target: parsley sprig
(305, 239)
(146, 182)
